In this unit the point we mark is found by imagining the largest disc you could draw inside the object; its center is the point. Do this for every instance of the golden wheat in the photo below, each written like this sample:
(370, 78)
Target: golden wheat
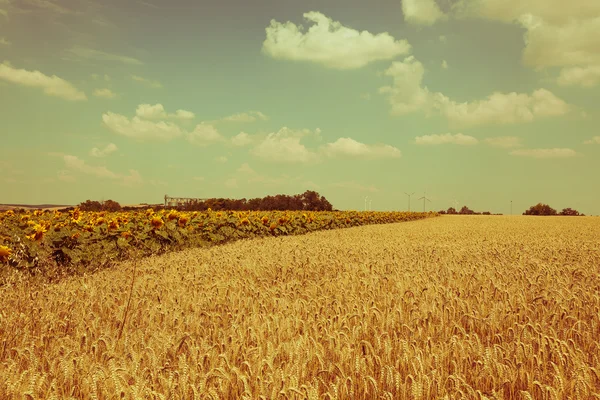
(446, 308)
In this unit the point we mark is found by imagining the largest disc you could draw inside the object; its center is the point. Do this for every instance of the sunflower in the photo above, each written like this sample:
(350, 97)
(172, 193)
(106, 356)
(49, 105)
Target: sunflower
(126, 234)
(76, 215)
(4, 253)
(265, 220)
(114, 224)
(173, 215)
(24, 217)
(157, 222)
(245, 221)
(183, 220)
(38, 232)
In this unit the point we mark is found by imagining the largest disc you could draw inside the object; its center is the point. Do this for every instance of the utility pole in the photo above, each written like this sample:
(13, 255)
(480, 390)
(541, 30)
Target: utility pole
(409, 199)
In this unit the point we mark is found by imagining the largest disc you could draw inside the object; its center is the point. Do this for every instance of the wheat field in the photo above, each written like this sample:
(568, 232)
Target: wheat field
(455, 307)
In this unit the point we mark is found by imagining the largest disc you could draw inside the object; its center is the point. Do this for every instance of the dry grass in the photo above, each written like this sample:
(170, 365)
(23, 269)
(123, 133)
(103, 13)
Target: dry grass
(450, 307)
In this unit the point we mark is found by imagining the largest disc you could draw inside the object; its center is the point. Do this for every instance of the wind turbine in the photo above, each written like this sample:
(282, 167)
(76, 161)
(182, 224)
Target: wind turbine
(366, 197)
(424, 198)
(409, 199)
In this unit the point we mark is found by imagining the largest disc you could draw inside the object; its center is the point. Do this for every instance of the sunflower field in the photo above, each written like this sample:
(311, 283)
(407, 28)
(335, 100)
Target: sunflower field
(79, 241)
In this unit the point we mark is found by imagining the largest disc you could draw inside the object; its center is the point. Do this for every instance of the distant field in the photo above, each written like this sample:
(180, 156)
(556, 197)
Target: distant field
(51, 207)
(452, 307)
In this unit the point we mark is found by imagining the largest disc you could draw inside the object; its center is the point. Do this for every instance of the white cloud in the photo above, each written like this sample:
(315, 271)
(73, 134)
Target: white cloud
(148, 111)
(105, 93)
(4, 42)
(422, 12)
(138, 128)
(355, 186)
(204, 134)
(545, 153)
(594, 140)
(446, 138)
(249, 116)
(183, 114)
(221, 159)
(157, 111)
(444, 64)
(502, 108)
(406, 94)
(241, 139)
(92, 54)
(351, 148)
(284, 147)
(330, 44)
(574, 42)
(443, 38)
(555, 36)
(134, 178)
(110, 148)
(505, 142)
(52, 85)
(76, 164)
(580, 76)
(198, 178)
(147, 82)
(246, 169)
(366, 96)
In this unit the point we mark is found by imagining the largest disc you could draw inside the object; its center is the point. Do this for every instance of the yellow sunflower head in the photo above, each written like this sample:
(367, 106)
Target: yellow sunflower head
(5, 252)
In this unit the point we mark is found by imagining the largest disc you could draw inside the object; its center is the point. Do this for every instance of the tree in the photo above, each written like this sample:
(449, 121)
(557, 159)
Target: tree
(466, 210)
(451, 210)
(569, 212)
(540, 209)
(111, 206)
(90, 205)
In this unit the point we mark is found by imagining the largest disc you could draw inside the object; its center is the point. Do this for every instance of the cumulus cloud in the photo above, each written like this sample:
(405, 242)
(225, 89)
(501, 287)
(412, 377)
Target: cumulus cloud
(284, 147)
(406, 94)
(444, 64)
(92, 54)
(594, 140)
(446, 138)
(75, 163)
(138, 128)
(204, 134)
(249, 116)
(241, 139)
(104, 93)
(330, 44)
(147, 82)
(51, 85)
(4, 42)
(545, 153)
(351, 148)
(221, 159)
(157, 111)
(580, 76)
(554, 37)
(505, 142)
(110, 148)
(422, 12)
(502, 108)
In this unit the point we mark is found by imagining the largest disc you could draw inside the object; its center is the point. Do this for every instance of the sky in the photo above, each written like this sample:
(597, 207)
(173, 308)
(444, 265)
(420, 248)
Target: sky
(465, 102)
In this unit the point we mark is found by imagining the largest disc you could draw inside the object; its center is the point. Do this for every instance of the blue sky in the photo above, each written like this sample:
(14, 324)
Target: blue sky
(478, 102)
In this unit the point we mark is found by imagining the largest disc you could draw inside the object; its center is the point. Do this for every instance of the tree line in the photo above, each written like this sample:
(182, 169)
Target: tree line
(307, 201)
